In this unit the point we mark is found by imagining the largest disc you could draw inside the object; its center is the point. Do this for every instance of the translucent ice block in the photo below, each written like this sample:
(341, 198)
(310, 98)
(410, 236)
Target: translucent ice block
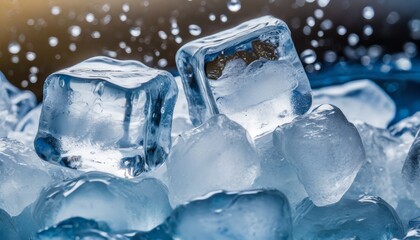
(326, 151)
(250, 73)
(366, 218)
(107, 115)
(229, 216)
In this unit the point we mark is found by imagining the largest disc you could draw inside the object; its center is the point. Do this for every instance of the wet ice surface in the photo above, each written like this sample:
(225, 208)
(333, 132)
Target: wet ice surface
(359, 100)
(366, 218)
(325, 150)
(411, 169)
(250, 73)
(224, 215)
(218, 155)
(108, 115)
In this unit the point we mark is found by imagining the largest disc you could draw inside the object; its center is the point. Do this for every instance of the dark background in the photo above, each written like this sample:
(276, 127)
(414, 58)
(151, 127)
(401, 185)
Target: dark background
(32, 22)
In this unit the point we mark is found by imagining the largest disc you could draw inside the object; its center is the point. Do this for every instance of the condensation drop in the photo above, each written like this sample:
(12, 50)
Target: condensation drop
(75, 30)
(308, 56)
(162, 35)
(212, 17)
(194, 30)
(53, 41)
(367, 30)
(234, 5)
(135, 31)
(223, 18)
(368, 12)
(15, 59)
(125, 7)
(323, 3)
(33, 70)
(90, 17)
(72, 47)
(353, 39)
(55, 10)
(95, 35)
(330, 56)
(341, 30)
(162, 62)
(14, 47)
(30, 56)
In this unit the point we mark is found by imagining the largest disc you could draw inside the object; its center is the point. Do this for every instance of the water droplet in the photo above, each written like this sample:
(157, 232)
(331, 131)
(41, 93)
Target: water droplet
(310, 21)
(223, 18)
(330, 56)
(123, 17)
(135, 31)
(55, 10)
(368, 12)
(212, 17)
(392, 18)
(53, 41)
(318, 13)
(403, 63)
(308, 56)
(410, 49)
(14, 47)
(178, 39)
(95, 34)
(414, 26)
(323, 3)
(162, 35)
(90, 17)
(72, 47)
(99, 88)
(24, 83)
(353, 39)
(162, 62)
(234, 5)
(194, 30)
(125, 7)
(341, 30)
(367, 30)
(33, 78)
(75, 30)
(15, 59)
(33, 70)
(327, 24)
(30, 56)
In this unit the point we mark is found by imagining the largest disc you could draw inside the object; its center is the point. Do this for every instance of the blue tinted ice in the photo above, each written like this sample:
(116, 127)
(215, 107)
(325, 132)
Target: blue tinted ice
(326, 151)
(107, 115)
(359, 100)
(250, 73)
(7, 227)
(411, 169)
(229, 216)
(408, 126)
(121, 203)
(366, 218)
(79, 228)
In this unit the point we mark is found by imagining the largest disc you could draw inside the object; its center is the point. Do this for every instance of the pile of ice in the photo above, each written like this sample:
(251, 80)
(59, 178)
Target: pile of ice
(245, 151)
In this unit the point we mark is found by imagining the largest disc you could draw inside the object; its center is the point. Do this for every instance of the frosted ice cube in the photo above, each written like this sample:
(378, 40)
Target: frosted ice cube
(251, 73)
(122, 204)
(7, 227)
(277, 173)
(23, 175)
(233, 216)
(107, 115)
(411, 169)
(79, 228)
(366, 218)
(359, 100)
(218, 155)
(326, 151)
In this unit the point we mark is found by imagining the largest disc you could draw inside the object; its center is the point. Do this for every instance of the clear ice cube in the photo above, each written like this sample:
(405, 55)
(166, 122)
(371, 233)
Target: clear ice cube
(251, 73)
(107, 115)
(325, 150)
(23, 175)
(366, 218)
(234, 216)
(218, 155)
(359, 100)
(140, 204)
(79, 228)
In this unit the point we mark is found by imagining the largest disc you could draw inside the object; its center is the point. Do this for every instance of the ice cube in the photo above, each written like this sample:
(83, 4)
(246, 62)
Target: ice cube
(181, 119)
(411, 169)
(359, 100)
(408, 126)
(366, 218)
(122, 204)
(250, 73)
(240, 216)
(23, 175)
(107, 115)
(326, 151)
(7, 227)
(218, 155)
(277, 173)
(79, 228)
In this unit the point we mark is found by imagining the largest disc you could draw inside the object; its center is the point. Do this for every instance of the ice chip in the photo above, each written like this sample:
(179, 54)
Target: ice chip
(23, 175)
(120, 203)
(326, 151)
(107, 115)
(250, 73)
(233, 216)
(79, 228)
(7, 227)
(366, 218)
(218, 155)
(359, 100)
